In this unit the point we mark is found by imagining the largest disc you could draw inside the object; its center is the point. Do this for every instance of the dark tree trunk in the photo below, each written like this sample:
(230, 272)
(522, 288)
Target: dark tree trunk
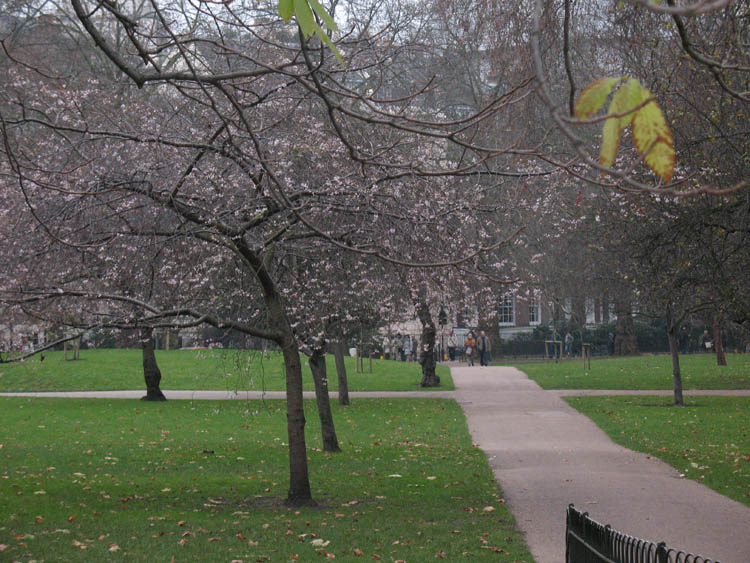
(338, 351)
(427, 354)
(318, 368)
(625, 342)
(721, 357)
(151, 372)
(299, 479)
(299, 493)
(675, 351)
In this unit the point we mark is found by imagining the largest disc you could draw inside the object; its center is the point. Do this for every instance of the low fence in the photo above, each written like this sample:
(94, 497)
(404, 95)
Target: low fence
(588, 541)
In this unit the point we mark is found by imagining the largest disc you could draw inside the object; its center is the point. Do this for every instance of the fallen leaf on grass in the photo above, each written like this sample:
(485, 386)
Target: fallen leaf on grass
(39, 519)
(114, 547)
(3, 547)
(80, 545)
(358, 552)
(488, 509)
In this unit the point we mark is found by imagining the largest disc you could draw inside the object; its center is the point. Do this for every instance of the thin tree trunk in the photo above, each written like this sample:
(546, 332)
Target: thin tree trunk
(151, 371)
(427, 354)
(299, 493)
(76, 348)
(625, 342)
(328, 431)
(721, 357)
(675, 351)
(338, 351)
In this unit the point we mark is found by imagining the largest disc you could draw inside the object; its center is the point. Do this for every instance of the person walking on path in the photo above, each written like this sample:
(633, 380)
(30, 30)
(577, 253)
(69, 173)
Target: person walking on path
(484, 347)
(568, 344)
(470, 345)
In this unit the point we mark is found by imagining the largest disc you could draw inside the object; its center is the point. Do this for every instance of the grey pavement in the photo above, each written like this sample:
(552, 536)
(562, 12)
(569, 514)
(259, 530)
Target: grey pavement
(546, 455)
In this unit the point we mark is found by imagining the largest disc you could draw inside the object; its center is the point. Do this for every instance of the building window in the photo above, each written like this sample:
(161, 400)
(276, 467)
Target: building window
(507, 312)
(535, 313)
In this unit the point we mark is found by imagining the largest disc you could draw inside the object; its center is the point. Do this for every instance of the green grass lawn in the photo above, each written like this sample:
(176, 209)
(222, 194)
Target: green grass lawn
(708, 440)
(232, 370)
(109, 480)
(699, 371)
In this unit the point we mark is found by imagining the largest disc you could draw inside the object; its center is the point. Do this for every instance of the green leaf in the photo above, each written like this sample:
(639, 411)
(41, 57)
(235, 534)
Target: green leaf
(653, 139)
(325, 17)
(593, 96)
(305, 18)
(611, 133)
(286, 9)
(327, 41)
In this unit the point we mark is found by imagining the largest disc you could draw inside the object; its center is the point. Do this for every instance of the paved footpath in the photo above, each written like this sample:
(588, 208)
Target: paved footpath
(546, 455)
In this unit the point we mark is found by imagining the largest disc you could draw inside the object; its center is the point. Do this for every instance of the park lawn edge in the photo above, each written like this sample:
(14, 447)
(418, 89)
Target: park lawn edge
(707, 440)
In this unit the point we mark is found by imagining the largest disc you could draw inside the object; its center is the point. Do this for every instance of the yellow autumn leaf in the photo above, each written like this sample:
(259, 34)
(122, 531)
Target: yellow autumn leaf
(592, 98)
(610, 141)
(653, 139)
(661, 160)
(628, 97)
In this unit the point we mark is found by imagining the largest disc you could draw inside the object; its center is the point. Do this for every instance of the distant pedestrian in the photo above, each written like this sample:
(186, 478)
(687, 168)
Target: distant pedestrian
(706, 343)
(556, 344)
(611, 343)
(684, 338)
(470, 345)
(568, 344)
(484, 347)
(452, 347)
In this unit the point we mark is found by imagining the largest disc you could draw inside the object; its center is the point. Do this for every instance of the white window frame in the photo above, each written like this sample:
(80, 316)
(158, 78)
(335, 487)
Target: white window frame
(536, 309)
(507, 310)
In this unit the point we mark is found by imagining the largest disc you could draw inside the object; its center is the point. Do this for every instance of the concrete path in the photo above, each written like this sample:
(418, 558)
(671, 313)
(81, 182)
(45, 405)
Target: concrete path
(546, 455)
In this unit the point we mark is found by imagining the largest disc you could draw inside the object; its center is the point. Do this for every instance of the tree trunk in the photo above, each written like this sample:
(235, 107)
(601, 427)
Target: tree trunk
(338, 351)
(427, 354)
(328, 431)
(721, 358)
(299, 493)
(625, 342)
(675, 351)
(151, 371)
(77, 347)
